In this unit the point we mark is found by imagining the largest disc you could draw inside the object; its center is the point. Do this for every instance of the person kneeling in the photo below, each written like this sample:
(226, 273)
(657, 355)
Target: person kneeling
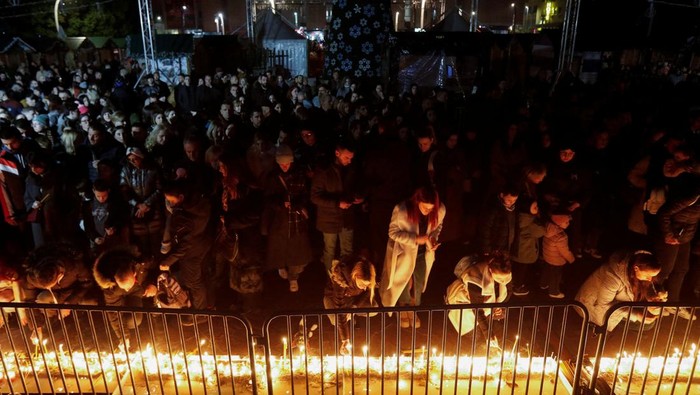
(351, 284)
(125, 281)
(480, 281)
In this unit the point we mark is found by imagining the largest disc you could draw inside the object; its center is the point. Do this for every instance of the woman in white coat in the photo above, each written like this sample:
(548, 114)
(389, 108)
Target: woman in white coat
(624, 278)
(413, 234)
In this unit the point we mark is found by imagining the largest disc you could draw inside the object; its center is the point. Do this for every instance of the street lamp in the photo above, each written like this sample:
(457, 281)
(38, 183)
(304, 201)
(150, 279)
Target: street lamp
(512, 25)
(184, 9)
(525, 18)
(221, 18)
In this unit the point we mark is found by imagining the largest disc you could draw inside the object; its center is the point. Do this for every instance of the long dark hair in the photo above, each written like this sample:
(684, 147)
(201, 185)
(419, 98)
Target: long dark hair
(425, 194)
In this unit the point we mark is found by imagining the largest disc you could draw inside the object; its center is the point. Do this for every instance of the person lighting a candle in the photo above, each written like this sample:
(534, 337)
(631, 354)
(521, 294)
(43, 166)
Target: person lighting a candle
(624, 278)
(481, 280)
(351, 284)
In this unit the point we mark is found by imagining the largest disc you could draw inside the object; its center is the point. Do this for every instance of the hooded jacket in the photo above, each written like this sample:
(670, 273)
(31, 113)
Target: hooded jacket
(555, 247)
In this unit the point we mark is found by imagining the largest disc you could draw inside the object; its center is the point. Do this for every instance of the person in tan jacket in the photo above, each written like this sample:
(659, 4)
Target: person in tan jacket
(556, 253)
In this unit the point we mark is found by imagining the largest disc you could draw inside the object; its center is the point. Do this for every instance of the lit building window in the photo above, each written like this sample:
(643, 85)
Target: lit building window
(550, 9)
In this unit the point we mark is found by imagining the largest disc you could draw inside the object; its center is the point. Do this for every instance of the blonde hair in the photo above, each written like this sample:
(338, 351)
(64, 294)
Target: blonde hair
(364, 270)
(70, 140)
(152, 138)
(118, 116)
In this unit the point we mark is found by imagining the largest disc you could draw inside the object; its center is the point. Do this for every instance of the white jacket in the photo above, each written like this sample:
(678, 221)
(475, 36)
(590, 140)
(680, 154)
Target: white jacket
(401, 254)
(457, 293)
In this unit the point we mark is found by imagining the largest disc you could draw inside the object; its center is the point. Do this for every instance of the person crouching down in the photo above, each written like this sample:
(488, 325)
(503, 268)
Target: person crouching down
(351, 284)
(125, 281)
(482, 280)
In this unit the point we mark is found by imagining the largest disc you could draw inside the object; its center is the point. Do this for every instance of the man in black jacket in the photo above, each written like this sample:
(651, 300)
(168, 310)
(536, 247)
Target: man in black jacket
(678, 221)
(192, 238)
(333, 192)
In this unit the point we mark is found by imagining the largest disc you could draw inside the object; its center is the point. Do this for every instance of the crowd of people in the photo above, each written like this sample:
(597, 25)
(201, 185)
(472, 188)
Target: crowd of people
(108, 178)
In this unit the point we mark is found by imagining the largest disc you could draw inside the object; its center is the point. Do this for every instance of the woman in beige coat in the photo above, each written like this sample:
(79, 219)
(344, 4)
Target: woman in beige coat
(624, 278)
(413, 234)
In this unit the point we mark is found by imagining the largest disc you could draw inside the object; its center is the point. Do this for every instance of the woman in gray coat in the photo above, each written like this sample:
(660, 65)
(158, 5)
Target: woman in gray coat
(624, 278)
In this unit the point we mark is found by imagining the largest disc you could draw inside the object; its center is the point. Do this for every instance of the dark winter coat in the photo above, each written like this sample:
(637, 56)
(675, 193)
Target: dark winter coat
(680, 217)
(498, 227)
(191, 231)
(107, 151)
(526, 246)
(77, 280)
(341, 292)
(330, 186)
(566, 183)
(185, 98)
(287, 228)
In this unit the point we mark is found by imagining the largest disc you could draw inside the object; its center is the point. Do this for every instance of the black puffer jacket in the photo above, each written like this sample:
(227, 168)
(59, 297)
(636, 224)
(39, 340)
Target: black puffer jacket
(680, 217)
(498, 227)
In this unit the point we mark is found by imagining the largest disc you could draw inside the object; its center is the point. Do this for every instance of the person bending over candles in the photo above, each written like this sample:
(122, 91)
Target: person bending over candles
(125, 281)
(624, 278)
(484, 280)
(351, 284)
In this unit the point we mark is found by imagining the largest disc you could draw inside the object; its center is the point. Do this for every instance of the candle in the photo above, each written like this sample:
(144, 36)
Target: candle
(284, 348)
(364, 351)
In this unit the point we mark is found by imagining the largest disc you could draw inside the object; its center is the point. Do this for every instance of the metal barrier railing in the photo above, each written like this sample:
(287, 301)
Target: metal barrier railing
(46, 349)
(540, 349)
(537, 351)
(657, 356)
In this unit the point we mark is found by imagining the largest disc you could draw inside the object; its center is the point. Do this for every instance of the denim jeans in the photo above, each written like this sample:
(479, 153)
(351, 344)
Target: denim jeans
(411, 295)
(330, 240)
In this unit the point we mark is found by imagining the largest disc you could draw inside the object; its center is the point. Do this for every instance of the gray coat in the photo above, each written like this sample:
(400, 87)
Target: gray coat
(607, 286)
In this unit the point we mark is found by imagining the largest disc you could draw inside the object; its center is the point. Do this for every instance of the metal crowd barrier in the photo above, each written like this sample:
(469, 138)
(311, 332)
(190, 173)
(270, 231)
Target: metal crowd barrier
(540, 349)
(658, 357)
(43, 350)
(537, 351)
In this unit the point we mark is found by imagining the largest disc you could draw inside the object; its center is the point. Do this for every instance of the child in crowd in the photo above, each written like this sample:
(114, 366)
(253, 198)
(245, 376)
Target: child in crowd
(103, 219)
(556, 253)
(351, 284)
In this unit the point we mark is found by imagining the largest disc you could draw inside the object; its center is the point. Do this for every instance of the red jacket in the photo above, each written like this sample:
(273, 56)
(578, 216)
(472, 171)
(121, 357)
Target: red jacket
(12, 175)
